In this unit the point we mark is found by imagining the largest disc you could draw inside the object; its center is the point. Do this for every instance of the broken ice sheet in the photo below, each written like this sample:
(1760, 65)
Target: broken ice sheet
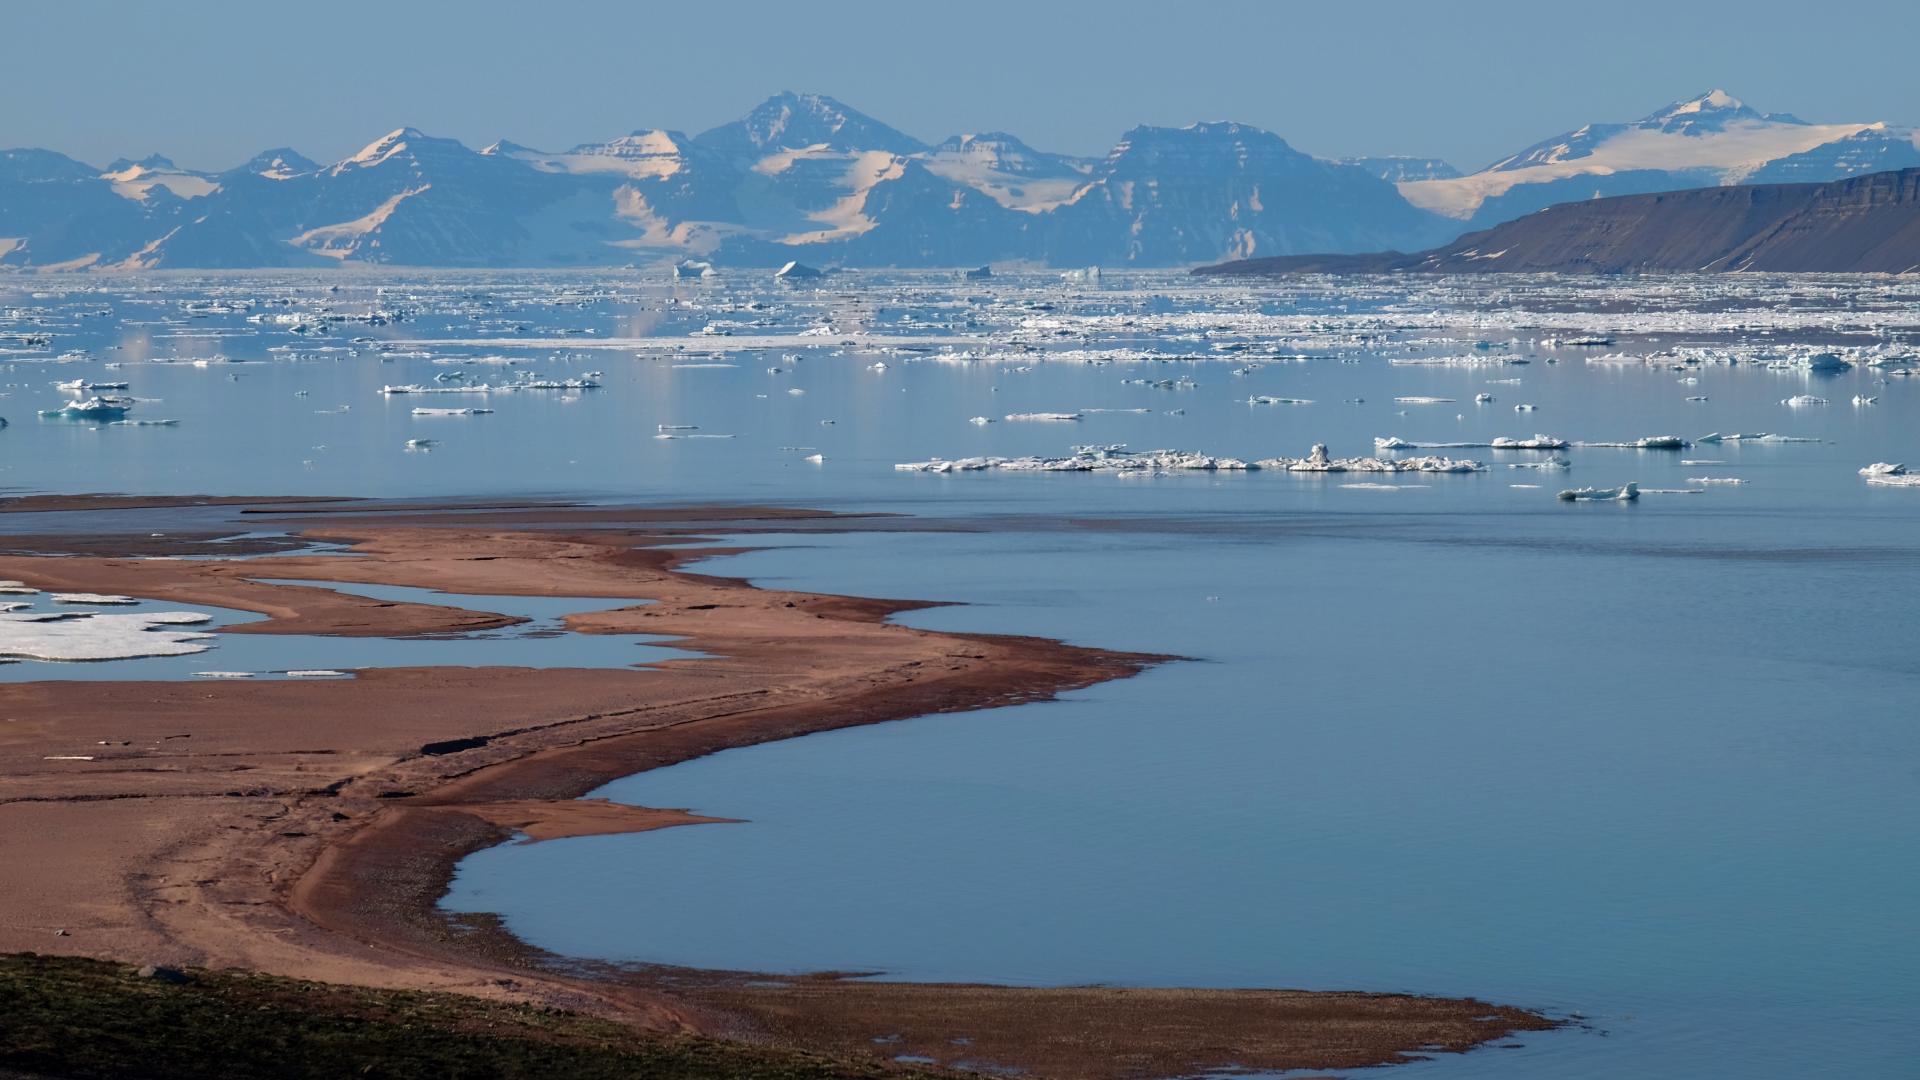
(90, 636)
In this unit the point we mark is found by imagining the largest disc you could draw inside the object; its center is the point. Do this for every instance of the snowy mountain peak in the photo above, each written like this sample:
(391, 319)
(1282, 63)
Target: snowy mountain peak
(393, 142)
(791, 121)
(152, 163)
(279, 163)
(1711, 111)
(1714, 138)
(1712, 101)
(1002, 153)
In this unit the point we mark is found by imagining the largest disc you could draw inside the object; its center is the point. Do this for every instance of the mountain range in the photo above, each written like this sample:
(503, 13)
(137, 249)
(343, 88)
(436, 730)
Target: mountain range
(1864, 224)
(805, 177)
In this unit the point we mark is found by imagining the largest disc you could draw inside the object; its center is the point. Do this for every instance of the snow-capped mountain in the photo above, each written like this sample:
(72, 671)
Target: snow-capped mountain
(1704, 141)
(806, 177)
(1169, 195)
(788, 120)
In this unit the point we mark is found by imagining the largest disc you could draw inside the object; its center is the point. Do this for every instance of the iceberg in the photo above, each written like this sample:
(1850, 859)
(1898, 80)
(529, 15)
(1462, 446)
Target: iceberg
(98, 407)
(1265, 399)
(423, 411)
(1043, 416)
(1715, 480)
(1623, 493)
(1759, 437)
(797, 271)
(1651, 442)
(1419, 400)
(1801, 400)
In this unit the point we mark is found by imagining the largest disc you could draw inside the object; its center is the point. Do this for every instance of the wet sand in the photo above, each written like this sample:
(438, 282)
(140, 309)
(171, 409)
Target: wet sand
(310, 828)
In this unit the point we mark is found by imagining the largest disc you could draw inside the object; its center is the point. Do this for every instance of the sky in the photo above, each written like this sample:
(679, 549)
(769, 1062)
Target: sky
(211, 82)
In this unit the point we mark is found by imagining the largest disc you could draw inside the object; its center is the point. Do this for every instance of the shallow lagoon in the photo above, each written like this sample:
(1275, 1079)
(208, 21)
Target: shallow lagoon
(541, 642)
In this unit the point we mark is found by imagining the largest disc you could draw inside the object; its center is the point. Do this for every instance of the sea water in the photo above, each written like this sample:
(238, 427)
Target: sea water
(1646, 763)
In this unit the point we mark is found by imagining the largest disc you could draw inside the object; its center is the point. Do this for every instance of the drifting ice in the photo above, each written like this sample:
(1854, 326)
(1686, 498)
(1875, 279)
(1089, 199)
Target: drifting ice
(1538, 442)
(1890, 475)
(1117, 458)
(1623, 493)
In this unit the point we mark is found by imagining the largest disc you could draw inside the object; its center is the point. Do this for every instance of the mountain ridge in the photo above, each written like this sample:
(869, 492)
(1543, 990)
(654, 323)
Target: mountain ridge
(1864, 224)
(807, 177)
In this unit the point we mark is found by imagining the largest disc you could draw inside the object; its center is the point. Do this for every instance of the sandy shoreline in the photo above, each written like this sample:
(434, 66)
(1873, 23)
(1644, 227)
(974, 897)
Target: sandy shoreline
(310, 828)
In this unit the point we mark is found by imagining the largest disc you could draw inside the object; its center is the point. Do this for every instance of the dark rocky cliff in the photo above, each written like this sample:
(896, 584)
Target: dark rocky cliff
(1868, 224)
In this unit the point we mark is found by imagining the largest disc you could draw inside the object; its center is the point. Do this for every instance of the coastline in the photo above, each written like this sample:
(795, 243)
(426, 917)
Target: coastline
(331, 815)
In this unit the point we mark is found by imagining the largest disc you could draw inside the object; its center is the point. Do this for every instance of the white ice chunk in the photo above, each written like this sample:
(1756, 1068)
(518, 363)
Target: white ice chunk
(58, 636)
(1623, 493)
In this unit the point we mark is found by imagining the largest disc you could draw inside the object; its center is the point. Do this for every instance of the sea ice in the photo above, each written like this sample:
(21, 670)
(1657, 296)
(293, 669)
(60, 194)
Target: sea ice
(91, 636)
(1623, 493)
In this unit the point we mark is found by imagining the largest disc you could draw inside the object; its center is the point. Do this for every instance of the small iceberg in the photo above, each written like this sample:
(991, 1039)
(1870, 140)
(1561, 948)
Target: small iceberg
(1041, 416)
(1651, 442)
(1798, 401)
(424, 411)
(1757, 437)
(98, 407)
(1623, 493)
(1888, 474)
(797, 271)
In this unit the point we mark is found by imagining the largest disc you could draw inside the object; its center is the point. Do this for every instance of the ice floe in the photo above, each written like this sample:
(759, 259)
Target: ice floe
(1537, 442)
(75, 636)
(1623, 493)
(1118, 458)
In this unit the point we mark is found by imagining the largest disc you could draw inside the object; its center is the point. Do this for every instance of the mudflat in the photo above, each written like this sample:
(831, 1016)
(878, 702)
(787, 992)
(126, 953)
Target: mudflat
(309, 828)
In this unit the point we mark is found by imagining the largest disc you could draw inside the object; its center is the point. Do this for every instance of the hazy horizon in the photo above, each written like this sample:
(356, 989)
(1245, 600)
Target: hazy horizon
(210, 84)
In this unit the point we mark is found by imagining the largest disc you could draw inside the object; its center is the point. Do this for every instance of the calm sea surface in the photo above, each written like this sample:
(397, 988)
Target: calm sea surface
(1655, 764)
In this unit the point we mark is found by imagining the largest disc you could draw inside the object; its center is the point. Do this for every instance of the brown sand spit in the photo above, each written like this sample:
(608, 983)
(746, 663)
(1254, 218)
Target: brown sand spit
(308, 828)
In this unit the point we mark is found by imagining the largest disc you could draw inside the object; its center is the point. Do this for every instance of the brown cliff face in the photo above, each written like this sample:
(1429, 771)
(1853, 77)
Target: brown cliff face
(1868, 224)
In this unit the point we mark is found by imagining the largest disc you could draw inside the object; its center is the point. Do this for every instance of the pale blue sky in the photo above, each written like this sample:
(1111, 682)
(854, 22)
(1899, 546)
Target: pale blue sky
(210, 82)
